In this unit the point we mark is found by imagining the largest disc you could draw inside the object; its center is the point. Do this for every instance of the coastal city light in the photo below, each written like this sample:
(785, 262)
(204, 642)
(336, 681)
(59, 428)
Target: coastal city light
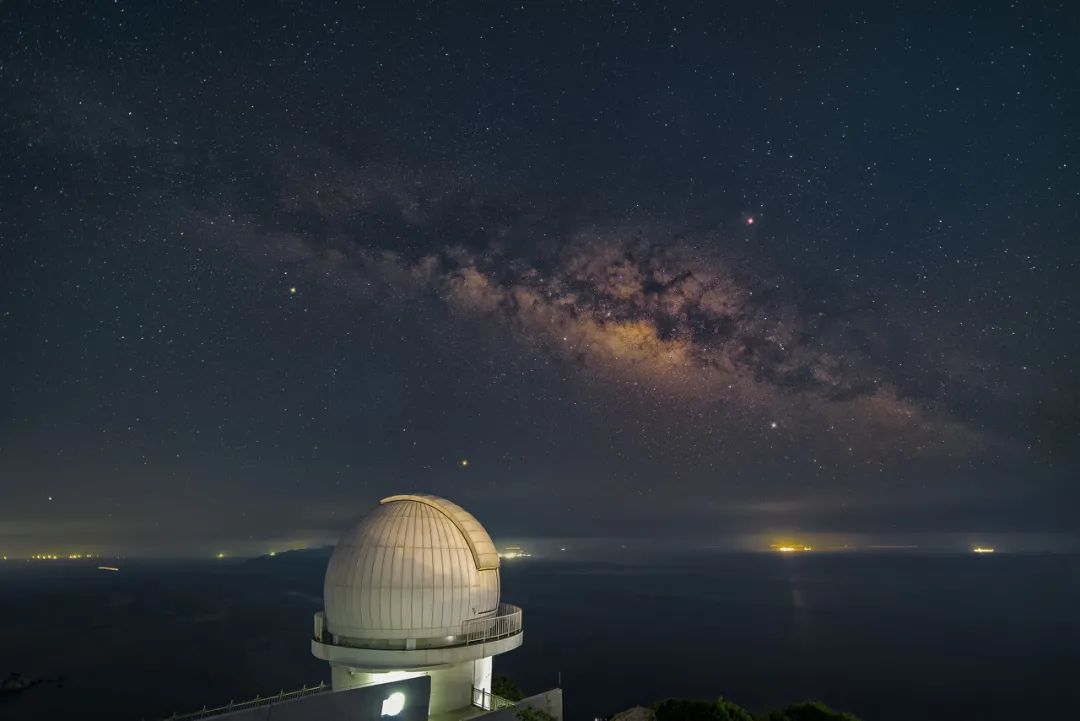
(982, 549)
(512, 552)
(791, 548)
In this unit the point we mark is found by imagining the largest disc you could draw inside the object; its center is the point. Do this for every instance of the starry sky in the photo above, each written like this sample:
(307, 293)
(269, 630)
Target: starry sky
(705, 273)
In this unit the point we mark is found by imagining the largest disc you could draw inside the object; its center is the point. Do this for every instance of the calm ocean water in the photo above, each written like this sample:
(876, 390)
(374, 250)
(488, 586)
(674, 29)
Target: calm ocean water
(891, 638)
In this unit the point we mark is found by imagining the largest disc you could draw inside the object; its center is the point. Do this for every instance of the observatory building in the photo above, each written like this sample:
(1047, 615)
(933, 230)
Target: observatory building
(411, 621)
(413, 590)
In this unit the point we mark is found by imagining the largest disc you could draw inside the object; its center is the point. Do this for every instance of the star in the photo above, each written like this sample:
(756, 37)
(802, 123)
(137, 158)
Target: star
(464, 462)
(292, 290)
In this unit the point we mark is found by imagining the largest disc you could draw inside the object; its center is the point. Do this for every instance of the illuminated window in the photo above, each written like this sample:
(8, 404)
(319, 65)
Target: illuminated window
(393, 704)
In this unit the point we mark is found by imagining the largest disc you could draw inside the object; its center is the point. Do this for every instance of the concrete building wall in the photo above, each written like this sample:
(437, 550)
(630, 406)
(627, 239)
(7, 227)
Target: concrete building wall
(359, 704)
(451, 686)
(343, 677)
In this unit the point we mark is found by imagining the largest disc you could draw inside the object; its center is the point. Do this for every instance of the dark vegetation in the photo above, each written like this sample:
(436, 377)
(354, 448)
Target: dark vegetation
(686, 709)
(679, 709)
(507, 688)
(528, 713)
(682, 709)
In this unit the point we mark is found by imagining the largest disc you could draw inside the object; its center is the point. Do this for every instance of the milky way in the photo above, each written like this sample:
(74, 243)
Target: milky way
(666, 311)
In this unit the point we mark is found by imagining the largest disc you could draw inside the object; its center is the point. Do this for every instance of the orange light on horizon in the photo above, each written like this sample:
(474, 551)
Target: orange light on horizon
(791, 548)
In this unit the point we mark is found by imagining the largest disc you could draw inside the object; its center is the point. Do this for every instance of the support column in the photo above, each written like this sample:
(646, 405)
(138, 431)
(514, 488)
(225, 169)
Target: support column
(451, 688)
(482, 668)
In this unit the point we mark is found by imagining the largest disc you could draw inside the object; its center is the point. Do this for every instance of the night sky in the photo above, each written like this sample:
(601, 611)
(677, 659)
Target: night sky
(713, 273)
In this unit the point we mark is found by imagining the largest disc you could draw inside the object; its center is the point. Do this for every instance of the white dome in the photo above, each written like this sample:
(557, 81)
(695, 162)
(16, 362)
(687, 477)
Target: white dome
(417, 566)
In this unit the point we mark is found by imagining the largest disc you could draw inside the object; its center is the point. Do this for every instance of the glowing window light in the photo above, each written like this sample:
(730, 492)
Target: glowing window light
(393, 704)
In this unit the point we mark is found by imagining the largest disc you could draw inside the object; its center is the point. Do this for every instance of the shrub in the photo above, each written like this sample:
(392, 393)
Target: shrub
(808, 711)
(680, 709)
(528, 713)
(504, 686)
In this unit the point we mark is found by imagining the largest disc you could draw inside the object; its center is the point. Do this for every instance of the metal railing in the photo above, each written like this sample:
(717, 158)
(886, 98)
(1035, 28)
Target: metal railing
(253, 703)
(489, 701)
(505, 622)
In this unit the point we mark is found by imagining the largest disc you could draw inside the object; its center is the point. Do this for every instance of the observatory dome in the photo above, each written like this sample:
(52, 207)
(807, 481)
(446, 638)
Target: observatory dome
(416, 567)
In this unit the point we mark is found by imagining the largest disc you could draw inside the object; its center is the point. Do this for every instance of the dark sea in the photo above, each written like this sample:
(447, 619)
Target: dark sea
(888, 637)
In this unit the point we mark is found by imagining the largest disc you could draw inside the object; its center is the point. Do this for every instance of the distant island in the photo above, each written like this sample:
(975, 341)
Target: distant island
(16, 682)
(297, 555)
